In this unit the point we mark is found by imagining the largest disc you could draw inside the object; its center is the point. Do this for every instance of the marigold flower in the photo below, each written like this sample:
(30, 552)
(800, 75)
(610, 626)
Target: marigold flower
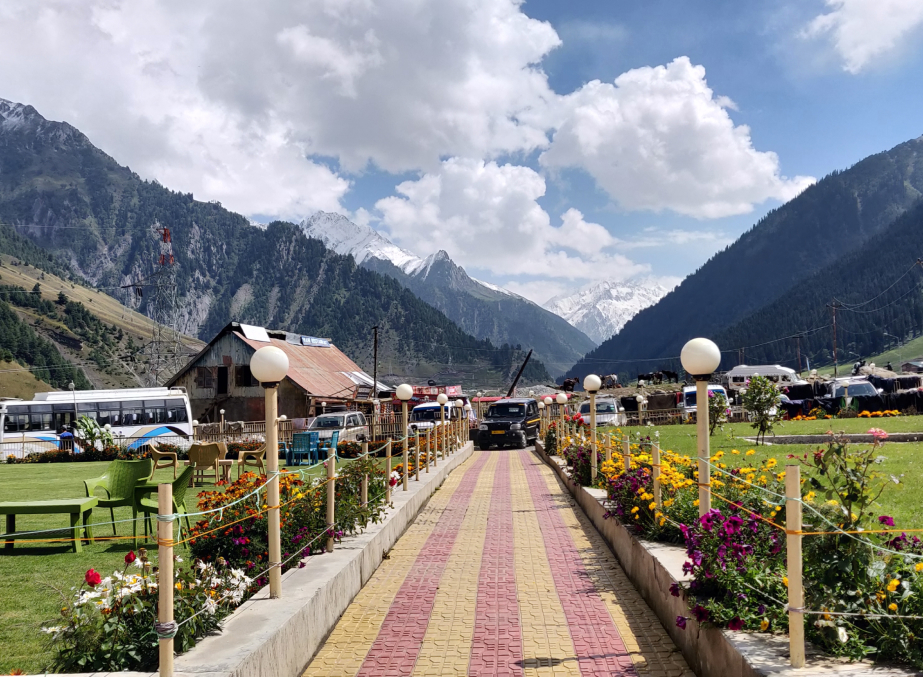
(750, 452)
(919, 566)
(892, 585)
(892, 606)
(785, 581)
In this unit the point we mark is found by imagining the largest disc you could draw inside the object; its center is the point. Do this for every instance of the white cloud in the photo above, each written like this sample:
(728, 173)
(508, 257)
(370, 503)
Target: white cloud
(487, 216)
(864, 30)
(658, 139)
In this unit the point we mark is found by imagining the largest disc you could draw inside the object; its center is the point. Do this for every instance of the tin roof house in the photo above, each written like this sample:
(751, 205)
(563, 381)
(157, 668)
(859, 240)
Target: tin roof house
(219, 376)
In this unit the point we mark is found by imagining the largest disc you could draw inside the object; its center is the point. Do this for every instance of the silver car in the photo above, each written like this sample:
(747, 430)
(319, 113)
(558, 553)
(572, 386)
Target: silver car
(351, 425)
(609, 411)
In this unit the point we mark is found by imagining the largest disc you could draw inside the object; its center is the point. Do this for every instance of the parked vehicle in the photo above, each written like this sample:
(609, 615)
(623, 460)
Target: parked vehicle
(782, 376)
(138, 414)
(689, 398)
(352, 426)
(609, 411)
(509, 422)
(428, 415)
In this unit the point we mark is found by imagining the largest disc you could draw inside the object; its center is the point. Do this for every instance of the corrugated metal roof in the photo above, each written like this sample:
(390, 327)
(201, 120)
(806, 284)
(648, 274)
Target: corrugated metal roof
(322, 372)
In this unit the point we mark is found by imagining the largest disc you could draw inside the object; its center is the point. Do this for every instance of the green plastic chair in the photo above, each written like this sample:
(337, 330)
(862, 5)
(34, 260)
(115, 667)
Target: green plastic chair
(119, 484)
(148, 506)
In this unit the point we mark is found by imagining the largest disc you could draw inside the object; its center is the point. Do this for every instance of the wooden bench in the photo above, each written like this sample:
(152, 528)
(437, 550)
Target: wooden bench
(75, 507)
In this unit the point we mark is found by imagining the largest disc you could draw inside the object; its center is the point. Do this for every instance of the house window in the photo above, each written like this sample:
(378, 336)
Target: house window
(243, 378)
(222, 381)
(204, 377)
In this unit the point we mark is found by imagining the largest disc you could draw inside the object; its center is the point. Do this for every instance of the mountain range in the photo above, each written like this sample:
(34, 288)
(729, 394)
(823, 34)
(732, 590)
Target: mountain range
(481, 309)
(828, 227)
(98, 222)
(601, 309)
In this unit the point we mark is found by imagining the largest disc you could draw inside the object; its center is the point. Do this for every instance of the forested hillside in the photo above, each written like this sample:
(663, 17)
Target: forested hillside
(834, 217)
(76, 202)
(878, 291)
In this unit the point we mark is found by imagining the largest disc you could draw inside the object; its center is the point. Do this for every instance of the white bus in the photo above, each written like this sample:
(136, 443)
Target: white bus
(133, 414)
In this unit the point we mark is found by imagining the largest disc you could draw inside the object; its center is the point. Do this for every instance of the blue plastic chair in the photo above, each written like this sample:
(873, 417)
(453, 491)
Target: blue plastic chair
(304, 444)
(331, 442)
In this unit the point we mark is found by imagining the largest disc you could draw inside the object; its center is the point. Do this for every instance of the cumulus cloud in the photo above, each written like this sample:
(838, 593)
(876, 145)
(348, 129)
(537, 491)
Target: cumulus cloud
(487, 216)
(657, 138)
(863, 30)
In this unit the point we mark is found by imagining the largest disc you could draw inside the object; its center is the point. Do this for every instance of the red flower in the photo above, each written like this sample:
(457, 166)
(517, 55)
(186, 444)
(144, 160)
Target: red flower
(736, 624)
(92, 578)
(130, 557)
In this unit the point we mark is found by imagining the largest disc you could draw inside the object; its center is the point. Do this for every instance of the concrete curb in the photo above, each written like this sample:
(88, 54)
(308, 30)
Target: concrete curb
(278, 638)
(652, 567)
(862, 438)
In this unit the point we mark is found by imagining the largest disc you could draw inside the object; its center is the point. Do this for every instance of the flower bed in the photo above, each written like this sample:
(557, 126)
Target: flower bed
(736, 551)
(108, 624)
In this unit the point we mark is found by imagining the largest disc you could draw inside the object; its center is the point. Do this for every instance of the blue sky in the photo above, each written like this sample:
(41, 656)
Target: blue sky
(544, 145)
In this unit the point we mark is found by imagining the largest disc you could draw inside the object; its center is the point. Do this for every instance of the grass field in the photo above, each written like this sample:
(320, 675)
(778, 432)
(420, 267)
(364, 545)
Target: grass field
(33, 578)
(900, 459)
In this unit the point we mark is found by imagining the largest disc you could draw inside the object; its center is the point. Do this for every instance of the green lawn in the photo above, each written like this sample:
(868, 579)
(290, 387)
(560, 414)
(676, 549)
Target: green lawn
(901, 502)
(33, 578)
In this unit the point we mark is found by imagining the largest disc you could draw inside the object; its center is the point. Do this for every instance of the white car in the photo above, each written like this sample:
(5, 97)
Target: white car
(428, 415)
(609, 411)
(689, 398)
(352, 426)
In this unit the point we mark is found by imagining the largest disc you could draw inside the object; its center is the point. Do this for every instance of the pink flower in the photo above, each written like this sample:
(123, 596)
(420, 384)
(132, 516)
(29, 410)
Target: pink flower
(878, 434)
(887, 520)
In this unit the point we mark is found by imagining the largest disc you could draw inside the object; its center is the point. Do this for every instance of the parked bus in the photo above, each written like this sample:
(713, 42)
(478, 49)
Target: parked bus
(738, 377)
(134, 414)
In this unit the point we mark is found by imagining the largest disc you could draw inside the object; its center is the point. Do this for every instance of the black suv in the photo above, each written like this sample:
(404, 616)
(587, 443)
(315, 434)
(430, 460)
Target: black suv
(512, 421)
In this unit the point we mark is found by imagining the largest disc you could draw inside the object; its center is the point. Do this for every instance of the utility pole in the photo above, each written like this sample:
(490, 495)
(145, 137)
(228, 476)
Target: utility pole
(835, 364)
(798, 338)
(374, 376)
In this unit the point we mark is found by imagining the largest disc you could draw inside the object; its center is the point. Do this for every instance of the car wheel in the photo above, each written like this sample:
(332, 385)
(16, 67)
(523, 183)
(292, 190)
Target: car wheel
(522, 442)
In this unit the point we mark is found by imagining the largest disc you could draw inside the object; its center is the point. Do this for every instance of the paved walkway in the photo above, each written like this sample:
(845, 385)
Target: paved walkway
(499, 575)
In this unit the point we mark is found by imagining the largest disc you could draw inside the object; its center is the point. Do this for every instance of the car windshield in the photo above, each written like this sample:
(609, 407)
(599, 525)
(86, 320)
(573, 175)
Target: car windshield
(855, 389)
(601, 408)
(690, 399)
(328, 422)
(425, 415)
(506, 411)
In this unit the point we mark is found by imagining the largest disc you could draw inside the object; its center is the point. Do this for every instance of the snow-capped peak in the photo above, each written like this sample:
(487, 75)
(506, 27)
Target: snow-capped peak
(345, 237)
(603, 308)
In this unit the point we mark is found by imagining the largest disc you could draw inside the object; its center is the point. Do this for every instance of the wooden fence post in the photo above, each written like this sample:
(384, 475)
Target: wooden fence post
(365, 479)
(626, 452)
(406, 474)
(165, 576)
(416, 455)
(388, 470)
(794, 562)
(428, 449)
(655, 453)
(331, 495)
(608, 446)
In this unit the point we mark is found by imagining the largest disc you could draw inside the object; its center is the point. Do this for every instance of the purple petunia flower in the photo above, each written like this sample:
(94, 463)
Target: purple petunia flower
(887, 520)
(700, 613)
(681, 622)
(761, 609)
(736, 624)
(674, 590)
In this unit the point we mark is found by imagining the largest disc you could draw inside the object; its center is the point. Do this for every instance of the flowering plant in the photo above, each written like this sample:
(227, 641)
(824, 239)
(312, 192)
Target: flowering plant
(108, 623)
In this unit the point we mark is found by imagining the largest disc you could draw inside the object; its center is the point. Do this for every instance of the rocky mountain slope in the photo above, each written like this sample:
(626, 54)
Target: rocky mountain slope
(483, 310)
(601, 309)
(831, 219)
(100, 220)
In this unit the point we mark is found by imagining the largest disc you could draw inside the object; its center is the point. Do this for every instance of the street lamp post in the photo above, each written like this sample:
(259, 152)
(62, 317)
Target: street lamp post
(404, 393)
(221, 411)
(561, 399)
(700, 357)
(468, 420)
(459, 406)
(269, 365)
(442, 400)
(592, 384)
(541, 417)
(479, 396)
(547, 401)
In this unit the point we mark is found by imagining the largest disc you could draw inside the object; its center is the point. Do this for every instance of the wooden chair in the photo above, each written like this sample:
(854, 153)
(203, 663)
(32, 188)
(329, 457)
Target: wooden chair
(163, 459)
(252, 458)
(204, 458)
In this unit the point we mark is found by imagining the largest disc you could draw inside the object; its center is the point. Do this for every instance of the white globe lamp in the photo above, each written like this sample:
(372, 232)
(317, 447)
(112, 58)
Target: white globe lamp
(592, 383)
(404, 392)
(700, 357)
(561, 398)
(269, 364)
(442, 399)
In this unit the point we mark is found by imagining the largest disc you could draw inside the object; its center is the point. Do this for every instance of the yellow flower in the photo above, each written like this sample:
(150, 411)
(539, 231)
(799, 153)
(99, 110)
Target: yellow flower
(892, 606)
(179, 585)
(810, 496)
(695, 502)
(918, 567)
(663, 521)
(652, 506)
(751, 452)
(634, 510)
(667, 503)
(735, 452)
(764, 625)
(785, 581)
(892, 586)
